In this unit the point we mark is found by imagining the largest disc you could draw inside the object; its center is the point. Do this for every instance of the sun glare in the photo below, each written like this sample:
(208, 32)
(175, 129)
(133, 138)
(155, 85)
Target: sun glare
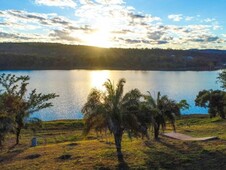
(101, 37)
(98, 78)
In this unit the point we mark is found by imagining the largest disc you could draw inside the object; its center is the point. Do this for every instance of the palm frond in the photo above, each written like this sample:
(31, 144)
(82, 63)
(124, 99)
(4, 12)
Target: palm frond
(150, 100)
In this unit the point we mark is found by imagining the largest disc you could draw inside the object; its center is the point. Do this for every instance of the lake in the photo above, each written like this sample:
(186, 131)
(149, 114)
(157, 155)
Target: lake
(73, 86)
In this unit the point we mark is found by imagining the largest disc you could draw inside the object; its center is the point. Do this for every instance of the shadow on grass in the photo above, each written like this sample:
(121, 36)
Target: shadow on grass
(171, 154)
(120, 166)
(9, 153)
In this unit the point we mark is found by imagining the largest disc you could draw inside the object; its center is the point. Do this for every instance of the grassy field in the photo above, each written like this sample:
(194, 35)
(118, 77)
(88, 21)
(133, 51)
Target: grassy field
(62, 146)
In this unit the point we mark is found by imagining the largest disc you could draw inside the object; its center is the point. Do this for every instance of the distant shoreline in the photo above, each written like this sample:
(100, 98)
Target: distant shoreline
(101, 69)
(47, 56)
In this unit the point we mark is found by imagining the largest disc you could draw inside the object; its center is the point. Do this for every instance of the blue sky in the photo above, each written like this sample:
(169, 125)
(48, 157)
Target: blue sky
(176, 24)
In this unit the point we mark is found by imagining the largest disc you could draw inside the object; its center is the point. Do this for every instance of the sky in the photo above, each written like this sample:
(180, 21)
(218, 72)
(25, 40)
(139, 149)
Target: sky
(175, 24)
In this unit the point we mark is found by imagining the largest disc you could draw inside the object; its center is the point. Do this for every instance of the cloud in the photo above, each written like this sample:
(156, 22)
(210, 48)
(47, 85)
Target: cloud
(118, 20)
(102, 2)
(162, 42)
(132, 41)
(53, 27)
(206, 38)
(175, 17)
(11, 36)
(209, 20)
(19, 37)
(17, 16)
(155, 35)
(24, 18)
(142, 19)
(122, 31)
(189, 18)
(110, 21)
(63, 35)
(110, 2)
(57, 3)
(85, 2)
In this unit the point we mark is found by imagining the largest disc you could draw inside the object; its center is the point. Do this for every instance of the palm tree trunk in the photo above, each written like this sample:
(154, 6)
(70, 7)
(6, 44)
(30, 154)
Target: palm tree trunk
(118, 141)
(144, 131)
(117, 131)
(18, 130)
(0, 143)
(156, 131)
(221, 112)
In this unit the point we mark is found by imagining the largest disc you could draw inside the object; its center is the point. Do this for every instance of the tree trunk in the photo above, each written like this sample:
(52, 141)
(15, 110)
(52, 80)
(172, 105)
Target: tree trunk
(118, 141)
(222, 116)
(18, 135)
(0, 143)
(114, 127)
(144, 131)
(156, 131)
(174, 126)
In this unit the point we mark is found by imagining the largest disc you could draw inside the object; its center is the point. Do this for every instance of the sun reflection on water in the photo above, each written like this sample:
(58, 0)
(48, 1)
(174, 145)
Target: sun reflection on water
(98, 78)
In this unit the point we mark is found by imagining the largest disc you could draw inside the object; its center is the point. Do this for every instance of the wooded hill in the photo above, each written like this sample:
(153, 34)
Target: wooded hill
(44, 56)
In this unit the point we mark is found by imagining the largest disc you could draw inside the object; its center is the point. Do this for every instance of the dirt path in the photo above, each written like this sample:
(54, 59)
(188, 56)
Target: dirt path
(184, 137)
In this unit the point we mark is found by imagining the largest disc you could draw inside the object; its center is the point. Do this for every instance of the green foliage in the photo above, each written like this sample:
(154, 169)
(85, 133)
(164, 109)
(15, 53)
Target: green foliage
(8, 106)
(59, 56)
(33, 124)
(6, 126)
(160, 110)
(133, 113)
(183, 105)
(18, 103)
(214, 100)
(104, 108)
(111, 110)
(222, 79)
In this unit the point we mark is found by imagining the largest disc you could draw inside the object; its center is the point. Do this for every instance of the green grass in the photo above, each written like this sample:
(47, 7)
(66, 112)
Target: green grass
(64, 137)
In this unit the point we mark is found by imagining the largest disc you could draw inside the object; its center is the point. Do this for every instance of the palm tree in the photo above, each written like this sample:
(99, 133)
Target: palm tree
(162, 109)
(110, 109)
(150, 106)
(171, 109)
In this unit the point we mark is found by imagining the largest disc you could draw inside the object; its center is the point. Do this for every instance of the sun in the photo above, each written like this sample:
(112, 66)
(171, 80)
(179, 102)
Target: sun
(101, 36)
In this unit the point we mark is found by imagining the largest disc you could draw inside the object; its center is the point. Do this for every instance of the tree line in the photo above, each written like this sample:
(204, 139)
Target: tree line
(58, 56)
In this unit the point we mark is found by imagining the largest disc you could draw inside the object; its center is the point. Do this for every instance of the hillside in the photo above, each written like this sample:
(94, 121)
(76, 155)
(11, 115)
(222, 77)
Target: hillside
(44, 56)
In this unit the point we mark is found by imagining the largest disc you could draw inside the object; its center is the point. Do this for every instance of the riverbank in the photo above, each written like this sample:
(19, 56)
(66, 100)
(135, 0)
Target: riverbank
(64, 137)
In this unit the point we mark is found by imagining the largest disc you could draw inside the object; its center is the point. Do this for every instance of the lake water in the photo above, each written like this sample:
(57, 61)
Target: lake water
(73, 86)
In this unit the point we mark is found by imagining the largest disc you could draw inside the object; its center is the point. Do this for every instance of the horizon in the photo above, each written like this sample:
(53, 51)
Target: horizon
(58, 43)
(160, 24)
